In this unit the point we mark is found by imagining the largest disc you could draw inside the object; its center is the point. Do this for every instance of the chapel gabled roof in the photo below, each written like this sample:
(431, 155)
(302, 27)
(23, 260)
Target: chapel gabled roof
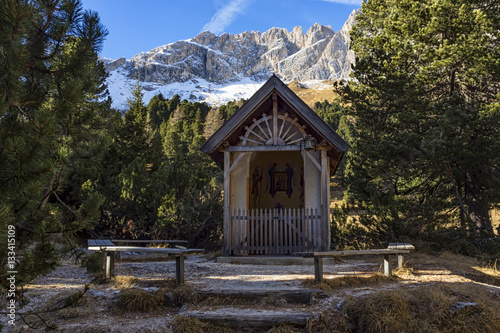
(261, 103)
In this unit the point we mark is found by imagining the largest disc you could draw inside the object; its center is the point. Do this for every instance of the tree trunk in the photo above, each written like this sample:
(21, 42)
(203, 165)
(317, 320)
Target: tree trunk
(478, 209)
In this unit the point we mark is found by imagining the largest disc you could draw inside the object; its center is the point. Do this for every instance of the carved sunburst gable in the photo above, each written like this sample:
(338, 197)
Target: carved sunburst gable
(260, 132)
(274, 117)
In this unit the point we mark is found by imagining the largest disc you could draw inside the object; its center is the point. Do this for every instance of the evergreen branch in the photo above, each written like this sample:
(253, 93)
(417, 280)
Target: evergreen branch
(42, 31)
(47, 326)
(66, 206)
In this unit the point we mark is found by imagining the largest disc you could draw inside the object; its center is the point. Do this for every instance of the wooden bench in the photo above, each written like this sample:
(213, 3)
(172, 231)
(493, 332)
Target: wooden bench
(110, 250)
(143, 241)
(397, 249)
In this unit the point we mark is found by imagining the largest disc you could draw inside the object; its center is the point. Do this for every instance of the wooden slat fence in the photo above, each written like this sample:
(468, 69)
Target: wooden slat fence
(273, 231)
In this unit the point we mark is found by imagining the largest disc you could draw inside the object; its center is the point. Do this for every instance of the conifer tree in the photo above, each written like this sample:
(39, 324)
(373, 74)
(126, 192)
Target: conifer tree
(51, 94)
(426, 114)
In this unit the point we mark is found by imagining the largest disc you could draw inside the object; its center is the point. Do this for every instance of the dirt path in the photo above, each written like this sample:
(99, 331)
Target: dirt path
(97, 312)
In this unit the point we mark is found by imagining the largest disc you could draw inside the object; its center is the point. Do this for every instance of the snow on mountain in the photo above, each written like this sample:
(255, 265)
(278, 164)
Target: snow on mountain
(218, 69)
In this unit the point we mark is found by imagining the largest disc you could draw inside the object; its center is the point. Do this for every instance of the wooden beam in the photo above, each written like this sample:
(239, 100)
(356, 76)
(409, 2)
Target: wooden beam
(235, 163)
(275, 118)
(350, 253)
(316, 163)
(227, 213)
(400, 261)
(387, 265)
(325, 197)
(110, 265)
(263, 148)
(318, 269)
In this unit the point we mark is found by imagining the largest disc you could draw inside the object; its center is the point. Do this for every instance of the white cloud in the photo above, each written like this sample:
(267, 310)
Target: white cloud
(346, 2)
(225, 16)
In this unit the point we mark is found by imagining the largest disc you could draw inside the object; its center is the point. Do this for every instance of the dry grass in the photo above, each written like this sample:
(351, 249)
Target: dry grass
(184, 324)
(351, 281)
(310, 95)
(124, 281)
(138, 300)
(424, 309)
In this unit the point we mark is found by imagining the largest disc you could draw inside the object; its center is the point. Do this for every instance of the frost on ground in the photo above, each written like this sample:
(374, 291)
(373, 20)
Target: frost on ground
(96, 310)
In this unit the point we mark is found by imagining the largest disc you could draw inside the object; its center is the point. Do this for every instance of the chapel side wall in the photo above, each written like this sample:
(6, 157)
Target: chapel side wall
(239, 183)
(238, 199)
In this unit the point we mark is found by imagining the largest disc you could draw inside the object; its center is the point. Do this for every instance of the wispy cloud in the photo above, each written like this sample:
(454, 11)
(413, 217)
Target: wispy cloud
(225, 16)
(346, 2)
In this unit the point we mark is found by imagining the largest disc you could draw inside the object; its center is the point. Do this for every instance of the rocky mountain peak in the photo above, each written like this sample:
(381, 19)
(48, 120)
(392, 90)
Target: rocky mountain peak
(318, 54)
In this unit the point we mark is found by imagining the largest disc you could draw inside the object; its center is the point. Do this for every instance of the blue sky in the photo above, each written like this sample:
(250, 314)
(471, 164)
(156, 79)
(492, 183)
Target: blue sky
(137, 26)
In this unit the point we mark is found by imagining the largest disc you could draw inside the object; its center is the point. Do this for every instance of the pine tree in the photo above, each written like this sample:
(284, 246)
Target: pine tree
(51, 90)
(425, 110)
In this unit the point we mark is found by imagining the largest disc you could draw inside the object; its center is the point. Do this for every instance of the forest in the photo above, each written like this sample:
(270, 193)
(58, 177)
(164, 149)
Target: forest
(421, 113)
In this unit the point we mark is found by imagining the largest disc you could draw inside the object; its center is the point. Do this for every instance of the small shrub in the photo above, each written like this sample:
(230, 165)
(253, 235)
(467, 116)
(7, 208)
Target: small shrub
(184, 324)
(138, 300)
(184, 294)
(93, 262)
(423, 309)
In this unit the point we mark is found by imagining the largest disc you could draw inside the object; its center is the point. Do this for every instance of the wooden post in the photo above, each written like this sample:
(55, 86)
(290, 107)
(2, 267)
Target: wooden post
(110, 265)
(325, 203)
(318, 269)
(179, 269)
(400, 261)
(227, 213)
(387, 265)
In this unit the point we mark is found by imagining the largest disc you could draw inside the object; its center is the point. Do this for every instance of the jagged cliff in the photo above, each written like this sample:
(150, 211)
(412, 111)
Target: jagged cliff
(318, 54)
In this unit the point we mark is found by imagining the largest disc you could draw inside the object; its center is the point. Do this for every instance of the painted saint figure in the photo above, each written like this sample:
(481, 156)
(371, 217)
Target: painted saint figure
(256, 185)
(289, 172)
(272, 190)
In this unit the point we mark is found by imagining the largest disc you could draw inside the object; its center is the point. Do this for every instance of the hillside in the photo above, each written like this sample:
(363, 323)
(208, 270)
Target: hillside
(314, 91)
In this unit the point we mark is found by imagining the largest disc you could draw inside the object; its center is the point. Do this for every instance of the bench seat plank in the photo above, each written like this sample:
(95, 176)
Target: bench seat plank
(99, 242)
(149, 241)
(401, 246)
(350, 253)
(124, 248)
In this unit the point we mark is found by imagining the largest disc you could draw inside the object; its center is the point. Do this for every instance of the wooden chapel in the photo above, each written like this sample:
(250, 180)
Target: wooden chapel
(278, 156)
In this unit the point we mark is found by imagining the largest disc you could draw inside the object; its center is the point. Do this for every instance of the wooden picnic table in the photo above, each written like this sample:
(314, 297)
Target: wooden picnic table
(110, 249)
(397, 249)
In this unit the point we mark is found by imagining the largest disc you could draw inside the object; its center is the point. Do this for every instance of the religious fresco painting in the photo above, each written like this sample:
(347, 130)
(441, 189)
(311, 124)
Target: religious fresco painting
(279, 180)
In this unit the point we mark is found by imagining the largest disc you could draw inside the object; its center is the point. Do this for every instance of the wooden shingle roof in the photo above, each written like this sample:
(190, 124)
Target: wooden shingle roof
(260, 103)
